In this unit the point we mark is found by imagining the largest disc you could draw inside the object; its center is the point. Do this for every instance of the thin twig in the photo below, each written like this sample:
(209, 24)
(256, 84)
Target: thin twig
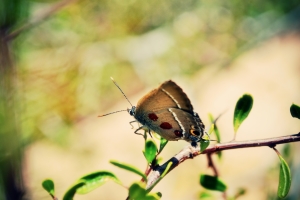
(211, 164)
(190, 152)
(35, 21)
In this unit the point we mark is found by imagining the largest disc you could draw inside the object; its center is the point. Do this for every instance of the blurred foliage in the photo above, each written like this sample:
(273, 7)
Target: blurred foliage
(64, 63)
(12, 13)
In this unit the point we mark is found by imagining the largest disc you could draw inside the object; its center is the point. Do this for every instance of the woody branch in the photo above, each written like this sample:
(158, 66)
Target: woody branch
(191, 152)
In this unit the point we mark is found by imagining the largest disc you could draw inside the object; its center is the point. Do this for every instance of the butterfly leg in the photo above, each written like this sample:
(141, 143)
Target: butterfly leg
(150, 133)
(131, 123)
(145, 129)
(136, 131)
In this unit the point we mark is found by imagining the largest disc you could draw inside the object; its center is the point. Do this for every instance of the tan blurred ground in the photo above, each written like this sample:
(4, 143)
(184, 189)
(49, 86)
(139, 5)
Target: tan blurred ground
(270, 72)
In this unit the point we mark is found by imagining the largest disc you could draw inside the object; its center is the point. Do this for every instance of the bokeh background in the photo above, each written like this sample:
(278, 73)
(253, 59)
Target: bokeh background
(57, 81)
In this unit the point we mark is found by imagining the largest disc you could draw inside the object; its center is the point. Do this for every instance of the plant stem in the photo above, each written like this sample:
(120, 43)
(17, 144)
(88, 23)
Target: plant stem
(188, 152)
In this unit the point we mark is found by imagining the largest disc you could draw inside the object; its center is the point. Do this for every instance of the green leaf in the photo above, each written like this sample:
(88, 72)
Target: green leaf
(285, 178)
(212, 183)
(215, 128)
(242, 109)
(94, 180)
(295, 111)
(204, 144)
(159, 160)
(205, 195)
(211, 129)
(152, 196)
(163, 143)
(150, 151)
(240, 192)
(159, 194)
(48, 185)
(69, 195)
(216, 131)
(137, 191)
(129, 168)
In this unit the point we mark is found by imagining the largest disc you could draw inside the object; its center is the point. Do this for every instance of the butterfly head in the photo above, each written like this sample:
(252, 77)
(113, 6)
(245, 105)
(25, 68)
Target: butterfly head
(131, 111)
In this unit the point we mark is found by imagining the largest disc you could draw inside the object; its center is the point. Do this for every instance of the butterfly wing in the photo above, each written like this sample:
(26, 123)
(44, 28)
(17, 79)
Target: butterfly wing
(191, 125)
(174, 124)
(177, 95)
(168, 111)
(167, 95)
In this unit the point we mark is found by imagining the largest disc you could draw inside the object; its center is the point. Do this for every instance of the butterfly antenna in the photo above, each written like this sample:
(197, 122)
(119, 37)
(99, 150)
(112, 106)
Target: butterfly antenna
(121, 90)
(111, 113)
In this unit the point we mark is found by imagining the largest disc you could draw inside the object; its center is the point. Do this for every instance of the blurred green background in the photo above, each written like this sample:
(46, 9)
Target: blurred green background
(56, 59)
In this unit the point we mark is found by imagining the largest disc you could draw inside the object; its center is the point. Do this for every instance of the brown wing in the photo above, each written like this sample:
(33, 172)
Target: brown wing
(177, 95)
(191, 124)
(174, 124)
(167, 95)
(166, 125)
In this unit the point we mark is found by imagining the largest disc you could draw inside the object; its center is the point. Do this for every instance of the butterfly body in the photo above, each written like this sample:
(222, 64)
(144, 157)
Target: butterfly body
(168, 111)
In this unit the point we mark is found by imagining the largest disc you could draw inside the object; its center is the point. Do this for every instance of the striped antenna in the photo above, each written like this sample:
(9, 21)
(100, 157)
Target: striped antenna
(121, 90)
(111, 113)
(124, 96)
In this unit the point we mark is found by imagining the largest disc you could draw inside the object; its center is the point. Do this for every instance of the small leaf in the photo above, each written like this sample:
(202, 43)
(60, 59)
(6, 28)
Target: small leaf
(69, 195)
(137, 191)
(159, 194)
(242, 109)
(163, 143)
(217, 132)
(204, 144)
(48, 185)
(152, 196)
(295, 111)
(211, 129)
(212, 183)
(150, 151)
(240, 192)
(95, 180)
(205, 195)
(159, 160)
(129, 168)
(285, 178)
(215, 128)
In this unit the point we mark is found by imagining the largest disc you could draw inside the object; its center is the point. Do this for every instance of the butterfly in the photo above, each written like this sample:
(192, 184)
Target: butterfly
(168, 112)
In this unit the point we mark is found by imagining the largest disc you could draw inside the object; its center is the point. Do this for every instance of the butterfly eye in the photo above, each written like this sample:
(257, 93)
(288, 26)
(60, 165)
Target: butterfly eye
(131, 111)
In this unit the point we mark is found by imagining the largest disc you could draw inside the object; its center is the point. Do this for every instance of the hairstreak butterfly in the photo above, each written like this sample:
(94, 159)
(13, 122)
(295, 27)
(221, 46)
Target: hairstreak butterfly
(167, 111)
